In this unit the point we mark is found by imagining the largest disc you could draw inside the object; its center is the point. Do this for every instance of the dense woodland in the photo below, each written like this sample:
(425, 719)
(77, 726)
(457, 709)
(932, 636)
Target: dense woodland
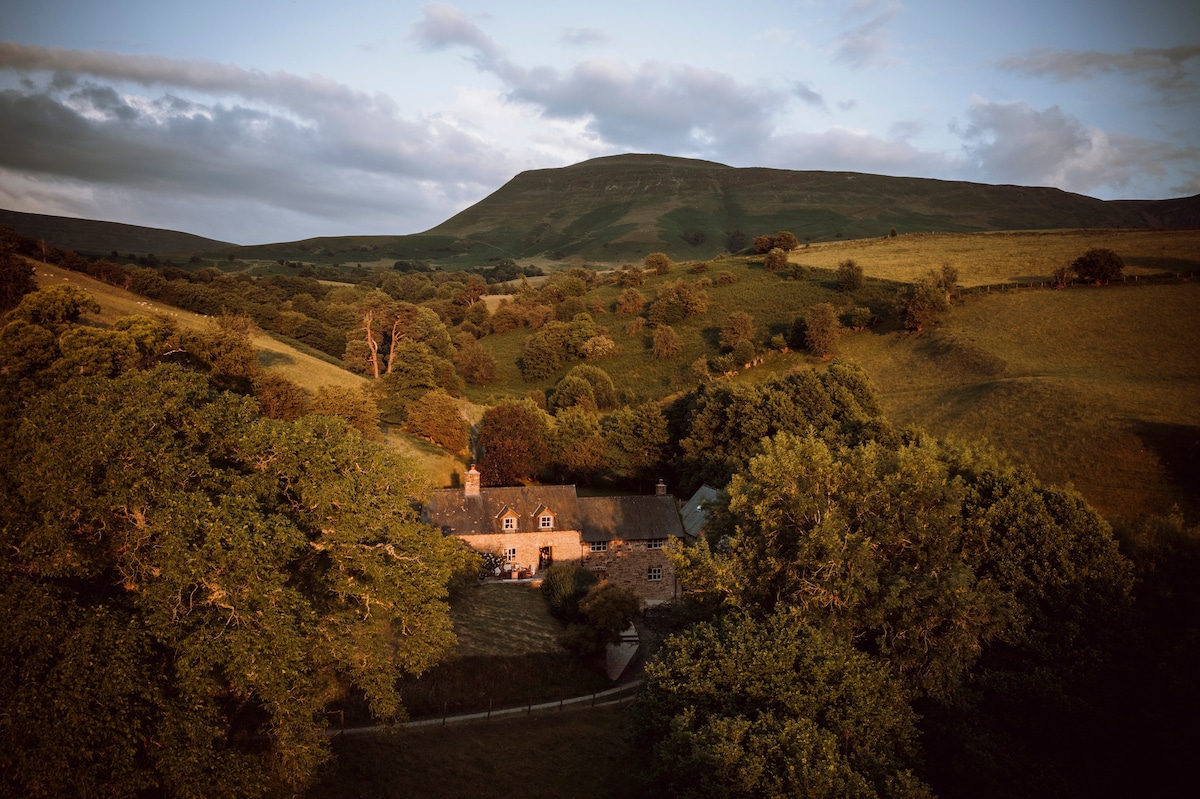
(199, 558)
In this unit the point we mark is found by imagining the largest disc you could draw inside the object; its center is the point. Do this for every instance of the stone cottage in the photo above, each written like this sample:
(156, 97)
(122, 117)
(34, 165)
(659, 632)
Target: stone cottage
(622, 539)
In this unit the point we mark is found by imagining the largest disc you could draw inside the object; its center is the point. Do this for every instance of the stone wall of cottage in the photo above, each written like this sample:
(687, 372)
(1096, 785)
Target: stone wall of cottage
(629, 563)
(564, 545)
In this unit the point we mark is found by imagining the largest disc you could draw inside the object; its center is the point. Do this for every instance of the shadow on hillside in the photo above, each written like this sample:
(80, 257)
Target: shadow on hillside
(1178, 447)
(266, 358)
(1165, 264)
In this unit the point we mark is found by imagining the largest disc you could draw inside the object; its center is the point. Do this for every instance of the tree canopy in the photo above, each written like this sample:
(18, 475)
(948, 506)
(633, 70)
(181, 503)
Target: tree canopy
(182, 575)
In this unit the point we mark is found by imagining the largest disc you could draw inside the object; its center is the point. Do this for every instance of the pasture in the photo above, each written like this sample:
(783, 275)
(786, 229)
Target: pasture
(1098, 387)
(1006, 257)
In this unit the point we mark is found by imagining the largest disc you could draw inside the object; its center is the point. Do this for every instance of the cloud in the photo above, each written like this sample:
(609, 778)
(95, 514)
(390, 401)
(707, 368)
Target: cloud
(651, 107)
(867, 43)
(442, 26)
(1166, 70)
(1014, 143)
(308, 145)
(842, 149)
(806, 95)
(581, 37)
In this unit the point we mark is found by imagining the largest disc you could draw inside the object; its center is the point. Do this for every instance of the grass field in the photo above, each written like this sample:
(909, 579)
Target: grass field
(309, 372)
(580, 754)
(1008, 257)
(508, 654)
(1099, 387)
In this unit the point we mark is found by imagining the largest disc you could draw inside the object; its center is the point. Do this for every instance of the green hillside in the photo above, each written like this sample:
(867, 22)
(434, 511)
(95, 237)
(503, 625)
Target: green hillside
(91, 236)
(616, 209)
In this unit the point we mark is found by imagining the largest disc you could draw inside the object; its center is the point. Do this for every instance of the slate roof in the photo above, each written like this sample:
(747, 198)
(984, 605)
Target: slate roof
(629, 518)
(632, 518)
(695, 518)
(480, 515)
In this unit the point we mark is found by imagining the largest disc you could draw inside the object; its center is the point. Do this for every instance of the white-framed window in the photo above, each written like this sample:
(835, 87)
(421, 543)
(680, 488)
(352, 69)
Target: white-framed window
(510, 554)
(546, 522)
(599, 546)
(655, 543)
(510, 522)
(654, 573)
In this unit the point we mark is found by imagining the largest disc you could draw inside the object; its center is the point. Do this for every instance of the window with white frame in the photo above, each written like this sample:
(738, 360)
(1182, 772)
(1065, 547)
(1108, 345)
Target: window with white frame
(655, 543)
(510, 522)
(546, 522)
(654, 573)
(599, 546)
(510, 554)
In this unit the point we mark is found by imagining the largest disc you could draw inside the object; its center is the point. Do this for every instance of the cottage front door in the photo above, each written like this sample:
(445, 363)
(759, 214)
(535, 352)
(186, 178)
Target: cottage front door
(545, 558)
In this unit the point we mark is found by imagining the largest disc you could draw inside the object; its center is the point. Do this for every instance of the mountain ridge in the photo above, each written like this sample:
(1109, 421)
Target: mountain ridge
(620, 207)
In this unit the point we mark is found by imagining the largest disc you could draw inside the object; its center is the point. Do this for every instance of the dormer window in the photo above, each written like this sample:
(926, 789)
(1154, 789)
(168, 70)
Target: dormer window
(510, 522)
(546, 522)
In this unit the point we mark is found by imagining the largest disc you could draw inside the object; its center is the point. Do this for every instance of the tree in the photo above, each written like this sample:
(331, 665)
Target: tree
(564, 585)
(597, 348)
(776, 259)
(630, 302)
(785, 241)
(747, 708)
(573, 392)
(603, 390)
(475, 364)
(744, 352)
(605, 611)
(637, 440)
(666, 342)
(821, 329)
(436, 417)
(920, 304)
(54, 308)
(927, 555)
(738, 326)
(658, 262)
(514, 437)
(16, 280)
(849, 275)
(189, 586)
(1099, 265)
(578, 450)
(353, 405)
(278, 397)
(763, 244)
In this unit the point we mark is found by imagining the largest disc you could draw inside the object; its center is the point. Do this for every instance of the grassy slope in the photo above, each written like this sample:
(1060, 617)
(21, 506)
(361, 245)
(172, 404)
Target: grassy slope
(92, 236)
(309, 372)
(581, 754)
(616, 209)
(1095, 386)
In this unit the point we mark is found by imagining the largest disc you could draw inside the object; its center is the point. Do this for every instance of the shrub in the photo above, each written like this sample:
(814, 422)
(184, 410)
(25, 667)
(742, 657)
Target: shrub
(604, 613)
(598, 348)
(858, 318)
(822, 329)
(436, 417)
(849, 275)
(564, 585)
(658, 262)
(724, 278)
(630, 302)
(666, 342)
(776, 259)
(1099, 265)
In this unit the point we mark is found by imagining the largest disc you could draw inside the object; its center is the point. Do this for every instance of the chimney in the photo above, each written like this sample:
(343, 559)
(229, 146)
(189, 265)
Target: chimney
(471, 482)
(660, 490)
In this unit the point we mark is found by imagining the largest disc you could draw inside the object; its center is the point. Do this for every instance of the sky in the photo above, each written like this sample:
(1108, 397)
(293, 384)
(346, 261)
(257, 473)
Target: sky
(255, 121)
